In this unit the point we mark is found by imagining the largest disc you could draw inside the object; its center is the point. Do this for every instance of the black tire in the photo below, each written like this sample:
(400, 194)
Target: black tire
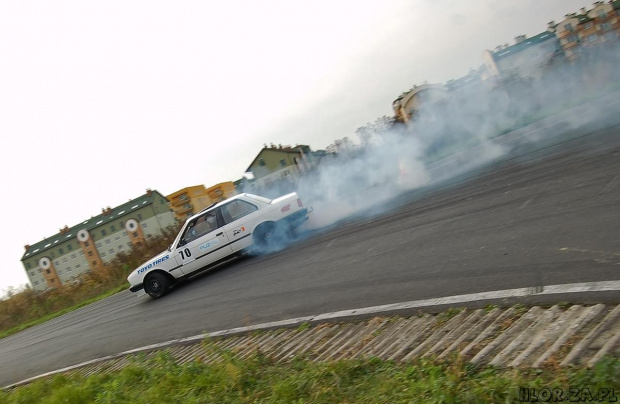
(156, 284)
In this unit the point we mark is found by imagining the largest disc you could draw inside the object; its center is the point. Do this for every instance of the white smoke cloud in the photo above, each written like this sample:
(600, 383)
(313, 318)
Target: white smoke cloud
(469, 128)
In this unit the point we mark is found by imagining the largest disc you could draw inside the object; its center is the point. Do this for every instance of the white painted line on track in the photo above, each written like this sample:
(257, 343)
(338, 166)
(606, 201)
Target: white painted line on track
(603, 286)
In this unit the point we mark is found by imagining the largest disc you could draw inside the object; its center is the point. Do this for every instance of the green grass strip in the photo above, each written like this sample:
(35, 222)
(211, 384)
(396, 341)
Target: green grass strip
(260, 380)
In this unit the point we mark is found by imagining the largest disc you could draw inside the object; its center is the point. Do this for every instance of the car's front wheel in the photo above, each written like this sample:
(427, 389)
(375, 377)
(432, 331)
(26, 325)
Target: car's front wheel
(156, 285)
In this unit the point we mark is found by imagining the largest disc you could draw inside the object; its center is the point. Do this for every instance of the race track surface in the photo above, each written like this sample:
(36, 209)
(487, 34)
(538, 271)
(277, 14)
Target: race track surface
(532, 218)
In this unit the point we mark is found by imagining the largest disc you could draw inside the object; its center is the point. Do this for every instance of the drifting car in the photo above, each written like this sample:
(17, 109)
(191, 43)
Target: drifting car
(239, 224)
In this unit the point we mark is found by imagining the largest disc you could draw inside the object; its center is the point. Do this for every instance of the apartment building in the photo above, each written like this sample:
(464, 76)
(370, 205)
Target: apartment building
(94, 242)
(409, 103)
(190, 200)
(587, 28)
(526, 58)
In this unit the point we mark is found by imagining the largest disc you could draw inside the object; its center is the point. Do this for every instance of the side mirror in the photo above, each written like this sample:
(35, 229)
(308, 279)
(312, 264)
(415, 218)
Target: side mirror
(170, 247)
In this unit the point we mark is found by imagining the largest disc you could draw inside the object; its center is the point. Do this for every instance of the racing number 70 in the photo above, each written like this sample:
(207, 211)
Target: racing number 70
(187, 253)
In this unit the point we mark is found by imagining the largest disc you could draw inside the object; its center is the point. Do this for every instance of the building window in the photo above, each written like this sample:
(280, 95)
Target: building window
(81, 253)
(282, 163)
(32, 273)
(65, 259)
(57, 263)
(60, 251)
(112, 228)
(124, 234)
(59, 273)
(116, 238)
(47, 271)
(28, 265)
(135, 234)
(139, 217)
(69, 247)
(120, 247)
(94, 263)
(588, 25)
(111, 251)
(98, 245)
(103, 232)
(90, 253)
(602, 14)
(86, 244)
(78, 266)
(261, 162)
(39, 270)
(592, 38)
(128, 244)
(103, 254)
(568, 27)
(73, 256)
(52, 280)
(107, 241)
(144, 225)
(36, 282)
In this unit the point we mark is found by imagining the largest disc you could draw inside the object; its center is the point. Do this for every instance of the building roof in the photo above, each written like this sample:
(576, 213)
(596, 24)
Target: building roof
(471, 78)
(108, 215)
(516, 48)
(183, 190)
(282, 149)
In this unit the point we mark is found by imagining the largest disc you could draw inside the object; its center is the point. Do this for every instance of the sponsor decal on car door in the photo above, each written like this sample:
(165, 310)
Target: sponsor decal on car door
(240, 217)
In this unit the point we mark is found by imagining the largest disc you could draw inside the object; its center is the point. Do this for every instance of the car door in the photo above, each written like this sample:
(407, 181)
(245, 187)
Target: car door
(202, 243)
(240, 218)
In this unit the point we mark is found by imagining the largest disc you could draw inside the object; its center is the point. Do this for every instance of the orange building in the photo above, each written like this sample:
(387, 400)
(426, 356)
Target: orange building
(190, 200)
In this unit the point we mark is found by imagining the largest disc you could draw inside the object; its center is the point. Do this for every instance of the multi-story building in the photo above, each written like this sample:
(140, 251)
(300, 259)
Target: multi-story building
(190, 200)
(277, 168)
(473, 79)
(588, 27)
(408, 105)
(219, 192)
(187, 201)
(88, 246)
(526, 58)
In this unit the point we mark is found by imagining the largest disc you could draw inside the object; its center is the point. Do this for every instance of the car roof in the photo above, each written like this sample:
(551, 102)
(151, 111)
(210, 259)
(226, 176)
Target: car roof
(216, 205)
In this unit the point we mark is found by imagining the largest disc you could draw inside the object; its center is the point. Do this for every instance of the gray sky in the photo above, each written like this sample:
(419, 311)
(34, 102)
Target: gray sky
(101, 100)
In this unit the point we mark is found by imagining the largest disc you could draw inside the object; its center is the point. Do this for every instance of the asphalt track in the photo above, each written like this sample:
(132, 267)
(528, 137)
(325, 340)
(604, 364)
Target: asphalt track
(543, 214)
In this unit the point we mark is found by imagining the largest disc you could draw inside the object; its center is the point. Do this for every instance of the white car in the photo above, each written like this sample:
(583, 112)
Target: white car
(230, 227)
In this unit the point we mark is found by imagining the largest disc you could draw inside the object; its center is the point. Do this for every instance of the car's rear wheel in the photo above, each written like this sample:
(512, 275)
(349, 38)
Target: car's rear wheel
(265, 236)
(156, 284)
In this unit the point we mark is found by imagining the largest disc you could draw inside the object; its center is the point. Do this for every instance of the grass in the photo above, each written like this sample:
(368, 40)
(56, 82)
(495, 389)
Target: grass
(261, 380)
(26, 308)
(40, 320)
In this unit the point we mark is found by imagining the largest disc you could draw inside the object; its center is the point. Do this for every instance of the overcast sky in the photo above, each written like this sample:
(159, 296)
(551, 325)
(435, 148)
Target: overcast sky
(101, 100)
